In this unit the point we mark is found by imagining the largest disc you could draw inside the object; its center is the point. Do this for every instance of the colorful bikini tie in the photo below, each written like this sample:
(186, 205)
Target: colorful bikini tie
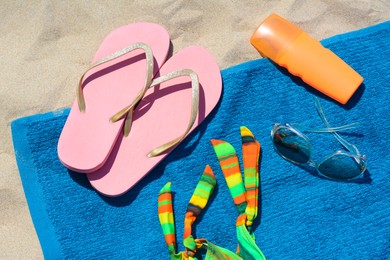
(245, 196)
(197, 203)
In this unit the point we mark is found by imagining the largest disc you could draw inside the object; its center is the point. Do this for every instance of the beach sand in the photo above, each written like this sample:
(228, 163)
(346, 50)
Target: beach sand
(46, 45)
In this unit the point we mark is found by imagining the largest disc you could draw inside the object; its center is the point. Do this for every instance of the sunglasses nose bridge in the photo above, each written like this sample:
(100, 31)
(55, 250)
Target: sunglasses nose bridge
(312, 163)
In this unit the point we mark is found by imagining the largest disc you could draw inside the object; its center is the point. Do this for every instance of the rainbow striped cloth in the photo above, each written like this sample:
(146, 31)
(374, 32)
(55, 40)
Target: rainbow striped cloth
(245, 198)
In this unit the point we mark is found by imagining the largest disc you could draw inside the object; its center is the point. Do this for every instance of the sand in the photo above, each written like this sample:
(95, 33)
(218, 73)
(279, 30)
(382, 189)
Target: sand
(46, 45)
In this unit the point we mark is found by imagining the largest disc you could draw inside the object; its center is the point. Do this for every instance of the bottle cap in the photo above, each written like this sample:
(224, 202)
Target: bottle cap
(274, 36)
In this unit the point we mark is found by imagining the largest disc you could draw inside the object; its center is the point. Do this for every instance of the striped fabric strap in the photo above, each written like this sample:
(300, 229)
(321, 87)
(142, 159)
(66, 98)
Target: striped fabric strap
(250, 154)
(247, 248)
(228, 161)
(167, 222)
(197, 203)
(166, 217)
(245, 196)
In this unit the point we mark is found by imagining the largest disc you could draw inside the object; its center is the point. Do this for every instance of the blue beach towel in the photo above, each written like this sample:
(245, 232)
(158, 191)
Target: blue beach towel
(302, 216)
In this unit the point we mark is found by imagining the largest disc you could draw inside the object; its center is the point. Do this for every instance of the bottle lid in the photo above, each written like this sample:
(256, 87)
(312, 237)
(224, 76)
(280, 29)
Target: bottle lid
(273, 36)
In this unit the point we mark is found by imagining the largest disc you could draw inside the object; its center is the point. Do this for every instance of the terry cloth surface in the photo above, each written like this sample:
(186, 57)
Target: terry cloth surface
(302, 216)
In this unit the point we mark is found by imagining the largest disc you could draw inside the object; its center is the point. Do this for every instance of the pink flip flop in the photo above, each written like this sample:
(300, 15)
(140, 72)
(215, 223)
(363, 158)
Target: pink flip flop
(162, 117)
(123, 65)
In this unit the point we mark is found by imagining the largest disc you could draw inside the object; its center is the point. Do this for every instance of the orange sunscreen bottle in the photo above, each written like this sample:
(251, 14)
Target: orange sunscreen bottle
(305, 57)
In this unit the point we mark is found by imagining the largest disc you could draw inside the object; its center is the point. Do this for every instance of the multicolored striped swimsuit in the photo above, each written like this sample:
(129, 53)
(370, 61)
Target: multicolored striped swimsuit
(245, 197)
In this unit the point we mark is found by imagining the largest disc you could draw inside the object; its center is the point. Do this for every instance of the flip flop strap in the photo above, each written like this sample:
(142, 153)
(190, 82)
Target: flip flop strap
(149, 76)
(194, 106)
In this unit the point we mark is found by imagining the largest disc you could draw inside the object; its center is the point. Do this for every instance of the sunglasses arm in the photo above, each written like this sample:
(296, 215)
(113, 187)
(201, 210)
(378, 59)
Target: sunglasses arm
(350, 147)
(303, 128)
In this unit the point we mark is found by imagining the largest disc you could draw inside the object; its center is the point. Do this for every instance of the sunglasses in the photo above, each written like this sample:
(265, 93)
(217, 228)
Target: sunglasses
(292, 145)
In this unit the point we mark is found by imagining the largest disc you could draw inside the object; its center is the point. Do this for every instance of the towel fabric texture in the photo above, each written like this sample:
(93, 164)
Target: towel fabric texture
(301, 215)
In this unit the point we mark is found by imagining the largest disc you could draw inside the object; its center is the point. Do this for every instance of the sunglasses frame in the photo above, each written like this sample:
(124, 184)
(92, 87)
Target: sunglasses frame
(352, 150)
(359, 159)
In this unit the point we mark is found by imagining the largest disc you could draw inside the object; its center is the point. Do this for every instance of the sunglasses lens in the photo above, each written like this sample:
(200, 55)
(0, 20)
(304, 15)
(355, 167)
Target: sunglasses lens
(291, 146)
(341, 167)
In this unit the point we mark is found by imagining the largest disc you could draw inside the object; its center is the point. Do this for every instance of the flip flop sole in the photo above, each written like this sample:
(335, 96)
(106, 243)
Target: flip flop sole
(88, 137)
(162, 116)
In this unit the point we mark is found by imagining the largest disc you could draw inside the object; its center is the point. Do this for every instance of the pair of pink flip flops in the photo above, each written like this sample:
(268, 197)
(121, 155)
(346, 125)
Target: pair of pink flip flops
(160, 103)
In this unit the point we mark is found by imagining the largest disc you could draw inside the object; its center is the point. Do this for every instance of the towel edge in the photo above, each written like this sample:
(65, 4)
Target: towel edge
(50, 245)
